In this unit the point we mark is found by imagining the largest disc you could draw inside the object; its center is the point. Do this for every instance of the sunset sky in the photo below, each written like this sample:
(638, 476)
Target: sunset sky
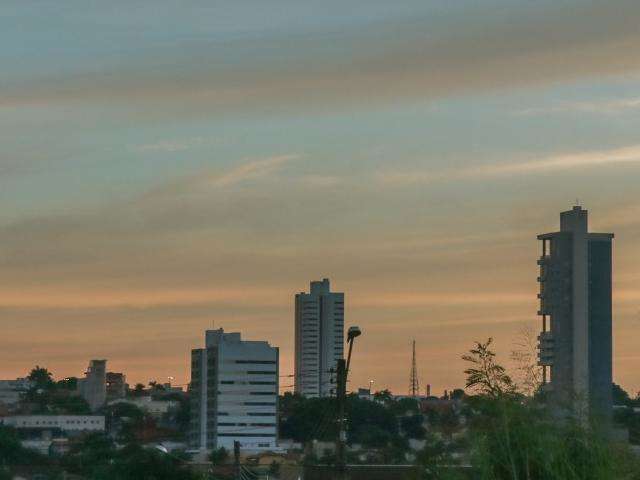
(165, 166)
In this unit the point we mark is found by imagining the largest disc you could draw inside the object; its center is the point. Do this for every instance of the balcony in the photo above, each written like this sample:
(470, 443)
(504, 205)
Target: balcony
(544, 260)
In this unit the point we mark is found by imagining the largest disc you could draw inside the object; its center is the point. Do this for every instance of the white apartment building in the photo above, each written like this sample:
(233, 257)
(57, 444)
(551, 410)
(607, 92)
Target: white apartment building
(234, 393)
(319, 317)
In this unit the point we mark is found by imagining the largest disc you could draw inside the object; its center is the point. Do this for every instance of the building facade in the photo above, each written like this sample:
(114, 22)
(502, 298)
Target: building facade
(234, 394)
(12, 391)
(575, 346)
(319, 339)
(62, 423)
(93, 387)
(116, 385)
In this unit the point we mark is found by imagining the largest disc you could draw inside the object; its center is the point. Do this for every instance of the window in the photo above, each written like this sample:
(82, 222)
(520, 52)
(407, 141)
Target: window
(259, 362)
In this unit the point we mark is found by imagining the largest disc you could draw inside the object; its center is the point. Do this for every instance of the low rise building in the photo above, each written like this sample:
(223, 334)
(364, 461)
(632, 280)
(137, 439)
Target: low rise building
(234, 394)
(11, 391)
(155, 408)
(116, 385)
(62, 423)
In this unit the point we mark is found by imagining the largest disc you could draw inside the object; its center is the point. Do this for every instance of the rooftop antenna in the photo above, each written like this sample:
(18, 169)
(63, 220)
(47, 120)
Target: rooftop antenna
(414, 387)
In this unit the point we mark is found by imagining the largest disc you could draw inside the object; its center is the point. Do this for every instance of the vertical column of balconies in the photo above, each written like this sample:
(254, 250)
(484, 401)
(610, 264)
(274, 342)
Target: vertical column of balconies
(545, 339)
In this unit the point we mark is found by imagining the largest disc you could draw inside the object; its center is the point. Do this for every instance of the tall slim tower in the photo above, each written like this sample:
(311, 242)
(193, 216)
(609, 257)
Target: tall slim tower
(319, 318)
(575, 305)
(414, 385)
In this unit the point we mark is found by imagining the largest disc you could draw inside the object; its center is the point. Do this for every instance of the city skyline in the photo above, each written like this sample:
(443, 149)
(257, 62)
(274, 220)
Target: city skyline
(197, 166)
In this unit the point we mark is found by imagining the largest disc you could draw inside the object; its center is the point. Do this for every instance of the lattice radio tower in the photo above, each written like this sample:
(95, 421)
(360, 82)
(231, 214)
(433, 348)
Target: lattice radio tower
(414, 387)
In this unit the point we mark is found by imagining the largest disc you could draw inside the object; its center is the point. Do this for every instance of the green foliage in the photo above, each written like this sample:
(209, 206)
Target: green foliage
(41, 377)
(219, 456)
(70, 383)
(369, 423)
(620, 397)
(403, 406)
(96, 458)
(383, 396)
(274, 468)
(436, 460)
(412, 426)
(514, 437)
(304, 419)
(13, 453)
(485, 376)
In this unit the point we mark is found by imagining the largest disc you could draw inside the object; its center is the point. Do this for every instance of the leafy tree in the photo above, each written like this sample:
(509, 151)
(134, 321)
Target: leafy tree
(485, 376)
(96, 458)
(383, 396)
(457, 394)
(41, 377)
(70, 383)
(620, 397)
(412, 426)
(219, 456)
(13, 453)
(138, 390)
(436, 460)
(514, 437)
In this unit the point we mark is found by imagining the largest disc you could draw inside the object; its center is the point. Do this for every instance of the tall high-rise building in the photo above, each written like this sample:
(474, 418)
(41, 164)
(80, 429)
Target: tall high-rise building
(93, 387)
(234, 393)
(319, 317)
(575, 304)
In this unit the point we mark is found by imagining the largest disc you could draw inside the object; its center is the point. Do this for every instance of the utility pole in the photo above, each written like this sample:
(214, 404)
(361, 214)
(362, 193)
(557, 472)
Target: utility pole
(414, 387)
(341, 397)
(236, 459)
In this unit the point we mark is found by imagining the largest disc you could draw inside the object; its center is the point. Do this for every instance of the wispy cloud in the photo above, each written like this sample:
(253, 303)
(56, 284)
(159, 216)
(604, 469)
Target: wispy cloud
(171, 145)
(182, 144)
(605, 107)
(207, 180)
(589, 159)
(410, 57)
(251, 170)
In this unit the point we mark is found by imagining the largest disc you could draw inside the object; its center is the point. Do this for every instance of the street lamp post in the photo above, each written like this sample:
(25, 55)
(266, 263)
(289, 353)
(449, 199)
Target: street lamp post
(342, 374)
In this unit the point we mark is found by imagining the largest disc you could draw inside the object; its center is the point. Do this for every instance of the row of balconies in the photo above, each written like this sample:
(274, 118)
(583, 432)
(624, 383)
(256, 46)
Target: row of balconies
(545, 349)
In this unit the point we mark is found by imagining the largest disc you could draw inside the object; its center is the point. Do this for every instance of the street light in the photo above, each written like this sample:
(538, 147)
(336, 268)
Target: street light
(343, 372)
(351, 335)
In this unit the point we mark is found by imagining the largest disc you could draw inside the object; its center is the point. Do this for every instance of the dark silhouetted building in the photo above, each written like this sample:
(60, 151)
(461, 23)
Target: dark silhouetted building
(575, 304)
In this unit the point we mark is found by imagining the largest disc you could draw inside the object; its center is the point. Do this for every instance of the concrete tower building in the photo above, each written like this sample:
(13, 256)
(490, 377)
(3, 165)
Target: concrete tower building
(93, 387)
(234, 394)
(575, 304)
(319, 317)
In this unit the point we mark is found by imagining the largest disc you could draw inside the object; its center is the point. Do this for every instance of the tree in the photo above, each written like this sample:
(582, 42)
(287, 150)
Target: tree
(138, 390)
(383, 396)
(412, 426)
(41, 377)
(274, 469)
(620, 397)
(485, 376)
(219, 456)
(514, 437)
(70, 383)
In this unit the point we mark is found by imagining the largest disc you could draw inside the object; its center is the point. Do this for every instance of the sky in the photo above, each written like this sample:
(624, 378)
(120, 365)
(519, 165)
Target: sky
(170, 166)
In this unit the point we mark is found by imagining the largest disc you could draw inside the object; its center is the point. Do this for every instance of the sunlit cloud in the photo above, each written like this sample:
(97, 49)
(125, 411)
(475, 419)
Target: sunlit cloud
(562, 162)
(606, 107)
(252, 170)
